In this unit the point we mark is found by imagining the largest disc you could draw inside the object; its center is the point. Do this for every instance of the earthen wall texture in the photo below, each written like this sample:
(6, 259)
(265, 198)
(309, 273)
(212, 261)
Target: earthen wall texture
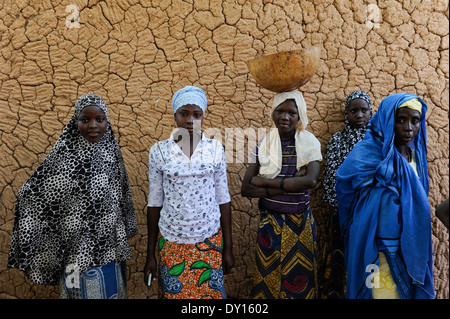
(136, 54)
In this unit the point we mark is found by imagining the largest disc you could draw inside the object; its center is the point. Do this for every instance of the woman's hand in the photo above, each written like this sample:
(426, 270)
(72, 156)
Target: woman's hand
(227, 261)
(150, 268)
(302, 171)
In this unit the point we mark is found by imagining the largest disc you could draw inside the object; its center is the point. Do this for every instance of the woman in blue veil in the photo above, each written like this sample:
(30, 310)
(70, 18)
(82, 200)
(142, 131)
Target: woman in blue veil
(384, 210)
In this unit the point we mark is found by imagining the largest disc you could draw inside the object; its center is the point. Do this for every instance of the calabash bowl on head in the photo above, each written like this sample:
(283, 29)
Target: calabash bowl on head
(285, 71)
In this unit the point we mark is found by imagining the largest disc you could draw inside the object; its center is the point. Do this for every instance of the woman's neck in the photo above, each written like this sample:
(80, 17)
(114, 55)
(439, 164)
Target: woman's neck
(287, 137)
(405, 151)
(188, 145)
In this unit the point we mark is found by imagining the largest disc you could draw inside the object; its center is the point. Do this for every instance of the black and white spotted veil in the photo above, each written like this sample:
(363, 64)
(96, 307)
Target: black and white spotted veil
(339, 146)
(76, 209)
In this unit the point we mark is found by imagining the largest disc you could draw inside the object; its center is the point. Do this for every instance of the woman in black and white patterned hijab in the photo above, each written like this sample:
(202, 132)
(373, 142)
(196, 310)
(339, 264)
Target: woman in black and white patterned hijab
(75, 213)
(341, 143)
(358, 111)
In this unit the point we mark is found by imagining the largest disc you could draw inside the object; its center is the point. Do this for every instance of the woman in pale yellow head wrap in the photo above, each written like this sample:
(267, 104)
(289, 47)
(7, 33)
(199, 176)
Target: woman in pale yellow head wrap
(286, 166)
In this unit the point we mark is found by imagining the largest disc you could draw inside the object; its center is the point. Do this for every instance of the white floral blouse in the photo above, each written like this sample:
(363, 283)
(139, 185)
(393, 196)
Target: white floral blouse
(188, 190)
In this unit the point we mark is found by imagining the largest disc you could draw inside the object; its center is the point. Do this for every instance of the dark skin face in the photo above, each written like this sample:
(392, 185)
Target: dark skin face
(92, 123)
(285, 116)
(406, 126)
(358, 113)
(189, 117)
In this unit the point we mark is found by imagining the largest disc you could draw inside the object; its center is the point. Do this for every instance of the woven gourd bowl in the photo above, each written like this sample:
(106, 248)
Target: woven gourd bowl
(285, 71)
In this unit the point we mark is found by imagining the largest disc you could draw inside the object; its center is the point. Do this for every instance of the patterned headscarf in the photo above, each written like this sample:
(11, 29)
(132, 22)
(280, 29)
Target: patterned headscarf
(413, 104)
(90, 99)
(358, 94)
(339, 146)
(76, 208)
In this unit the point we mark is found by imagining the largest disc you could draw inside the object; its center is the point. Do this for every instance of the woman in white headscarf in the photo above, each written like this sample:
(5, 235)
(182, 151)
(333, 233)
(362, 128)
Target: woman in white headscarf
(189, 207)
(287, 161)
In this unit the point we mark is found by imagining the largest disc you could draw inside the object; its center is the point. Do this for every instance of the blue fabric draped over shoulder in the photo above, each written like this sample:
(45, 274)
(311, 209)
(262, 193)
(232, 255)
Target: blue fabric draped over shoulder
(379, 194)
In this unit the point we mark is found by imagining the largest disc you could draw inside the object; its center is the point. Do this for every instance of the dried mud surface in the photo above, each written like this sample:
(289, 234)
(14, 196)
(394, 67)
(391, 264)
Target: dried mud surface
(136, 54)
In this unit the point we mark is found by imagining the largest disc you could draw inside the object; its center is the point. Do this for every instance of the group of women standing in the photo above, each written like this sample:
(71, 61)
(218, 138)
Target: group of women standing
(75, 214)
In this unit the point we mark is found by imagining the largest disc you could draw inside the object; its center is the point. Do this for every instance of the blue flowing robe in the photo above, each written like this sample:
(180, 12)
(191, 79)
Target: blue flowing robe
(383, 206)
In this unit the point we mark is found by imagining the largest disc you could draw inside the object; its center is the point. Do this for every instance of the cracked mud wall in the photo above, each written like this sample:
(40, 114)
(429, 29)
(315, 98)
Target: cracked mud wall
(136, 54)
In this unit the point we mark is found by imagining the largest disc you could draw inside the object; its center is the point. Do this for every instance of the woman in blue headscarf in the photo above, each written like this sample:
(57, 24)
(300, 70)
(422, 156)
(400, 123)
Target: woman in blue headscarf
(382, 190)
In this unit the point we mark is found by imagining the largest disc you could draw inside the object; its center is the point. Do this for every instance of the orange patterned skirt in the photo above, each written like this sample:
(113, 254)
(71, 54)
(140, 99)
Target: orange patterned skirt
(191, 271)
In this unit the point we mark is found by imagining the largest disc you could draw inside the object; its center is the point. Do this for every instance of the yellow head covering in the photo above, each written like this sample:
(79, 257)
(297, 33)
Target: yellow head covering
(413, 104)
